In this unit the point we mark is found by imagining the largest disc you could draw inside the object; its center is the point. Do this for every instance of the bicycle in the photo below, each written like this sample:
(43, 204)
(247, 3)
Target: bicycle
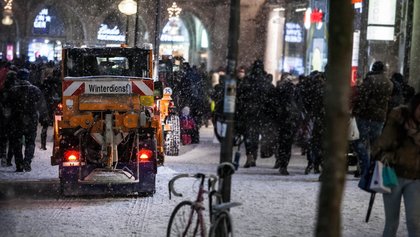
(187, 218)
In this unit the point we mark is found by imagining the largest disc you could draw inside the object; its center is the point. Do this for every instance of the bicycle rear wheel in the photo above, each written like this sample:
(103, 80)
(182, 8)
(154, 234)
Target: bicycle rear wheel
(222, 226)
(184, 221)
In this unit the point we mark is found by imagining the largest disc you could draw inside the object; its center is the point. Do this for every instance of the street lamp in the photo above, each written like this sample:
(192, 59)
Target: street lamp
(7, 20)
(127, 7)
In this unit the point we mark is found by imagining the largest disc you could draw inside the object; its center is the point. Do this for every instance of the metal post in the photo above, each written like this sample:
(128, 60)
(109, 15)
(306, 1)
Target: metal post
(230, 93)
(126, 31)
(136, 32)
(408, 34)
(415, 47)
(157, 34)
(363, 66)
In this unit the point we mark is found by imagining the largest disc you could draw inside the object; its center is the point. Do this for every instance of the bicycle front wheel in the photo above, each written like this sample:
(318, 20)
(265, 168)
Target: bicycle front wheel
(222, 226)
(184, 221)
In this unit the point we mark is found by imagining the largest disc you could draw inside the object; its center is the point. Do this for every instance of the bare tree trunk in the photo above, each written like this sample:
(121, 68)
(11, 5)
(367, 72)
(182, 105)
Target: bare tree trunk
(335, 139)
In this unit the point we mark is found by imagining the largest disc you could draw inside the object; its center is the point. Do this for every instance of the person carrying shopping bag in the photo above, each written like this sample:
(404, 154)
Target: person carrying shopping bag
(399, 146)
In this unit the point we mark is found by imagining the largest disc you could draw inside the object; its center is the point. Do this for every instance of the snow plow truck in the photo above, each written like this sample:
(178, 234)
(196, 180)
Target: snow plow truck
(108, 133)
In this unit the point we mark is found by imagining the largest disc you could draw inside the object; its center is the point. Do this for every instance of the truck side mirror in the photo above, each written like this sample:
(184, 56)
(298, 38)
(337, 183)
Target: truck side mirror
(158, 89)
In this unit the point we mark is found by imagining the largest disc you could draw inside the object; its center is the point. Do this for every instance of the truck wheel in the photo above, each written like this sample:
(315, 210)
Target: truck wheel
(173, 138)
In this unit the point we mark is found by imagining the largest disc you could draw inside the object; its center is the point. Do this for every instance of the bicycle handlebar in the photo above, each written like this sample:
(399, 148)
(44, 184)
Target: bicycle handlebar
(211, 182)
(171, 185)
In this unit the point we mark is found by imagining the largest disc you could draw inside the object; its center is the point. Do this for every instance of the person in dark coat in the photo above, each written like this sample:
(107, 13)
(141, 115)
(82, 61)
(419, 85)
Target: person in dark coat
(268, 119)
(305, 123)
(287, 121)
(6, 157)
(50, 90)
(397, 97)
(313, 100)
(407, 91)
(27, 105)
(250, 98)
(370, 109)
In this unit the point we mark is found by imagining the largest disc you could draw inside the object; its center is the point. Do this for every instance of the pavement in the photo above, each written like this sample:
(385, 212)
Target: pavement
(43, 182)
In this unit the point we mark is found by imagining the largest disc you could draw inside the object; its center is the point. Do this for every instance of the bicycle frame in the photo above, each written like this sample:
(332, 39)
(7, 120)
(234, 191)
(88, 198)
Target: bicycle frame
(197, 205)
(220, 220)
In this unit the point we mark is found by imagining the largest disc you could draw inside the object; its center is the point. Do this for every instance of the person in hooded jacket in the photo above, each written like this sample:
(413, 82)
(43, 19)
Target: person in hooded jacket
(27, 108)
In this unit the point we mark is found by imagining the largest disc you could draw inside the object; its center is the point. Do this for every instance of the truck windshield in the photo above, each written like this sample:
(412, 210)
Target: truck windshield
(107, 61)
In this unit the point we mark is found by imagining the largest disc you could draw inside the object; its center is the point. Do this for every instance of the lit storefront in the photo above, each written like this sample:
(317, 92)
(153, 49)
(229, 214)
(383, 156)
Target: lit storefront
(47, 37)
(111, 32)
(175, 39)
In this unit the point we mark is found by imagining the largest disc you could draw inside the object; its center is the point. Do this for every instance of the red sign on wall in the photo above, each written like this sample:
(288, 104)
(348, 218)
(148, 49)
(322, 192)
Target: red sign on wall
(316, 16)
(356, 1)
(353, 81)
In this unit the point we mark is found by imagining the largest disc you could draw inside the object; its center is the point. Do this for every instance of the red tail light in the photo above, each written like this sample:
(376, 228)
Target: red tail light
(71, 156)
(144, 155)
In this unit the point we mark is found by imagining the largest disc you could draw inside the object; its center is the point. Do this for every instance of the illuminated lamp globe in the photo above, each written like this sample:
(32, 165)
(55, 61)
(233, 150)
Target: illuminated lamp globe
(128, 7)
(7, 20)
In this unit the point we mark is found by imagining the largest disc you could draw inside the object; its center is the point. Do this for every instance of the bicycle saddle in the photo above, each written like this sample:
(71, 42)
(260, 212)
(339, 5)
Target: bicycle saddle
(225, 169)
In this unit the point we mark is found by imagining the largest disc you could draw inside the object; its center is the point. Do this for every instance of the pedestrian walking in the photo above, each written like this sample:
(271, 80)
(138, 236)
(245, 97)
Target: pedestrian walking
(287, 122)
(399, 145)
(6, 154)
(370, 109)
(50, 90)
(250, 98)
(313, 94)
(27, 105)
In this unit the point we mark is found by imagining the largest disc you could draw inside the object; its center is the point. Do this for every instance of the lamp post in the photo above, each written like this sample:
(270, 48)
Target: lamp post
(128, 8)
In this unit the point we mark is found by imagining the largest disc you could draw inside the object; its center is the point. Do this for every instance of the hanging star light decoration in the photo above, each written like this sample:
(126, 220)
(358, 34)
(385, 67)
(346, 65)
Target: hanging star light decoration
(8, 5)
(174, 11)
(7, 13)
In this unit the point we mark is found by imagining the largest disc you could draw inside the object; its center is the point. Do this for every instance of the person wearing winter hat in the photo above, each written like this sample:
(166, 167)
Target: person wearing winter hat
(23, 74)
(27, 105)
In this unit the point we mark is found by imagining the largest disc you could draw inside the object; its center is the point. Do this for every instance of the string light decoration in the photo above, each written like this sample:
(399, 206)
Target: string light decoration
(7, 13)
(174, 11)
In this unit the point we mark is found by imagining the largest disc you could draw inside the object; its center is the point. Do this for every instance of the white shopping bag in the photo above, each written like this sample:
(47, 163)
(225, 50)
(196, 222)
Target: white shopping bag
(377, 182)
(353, 130)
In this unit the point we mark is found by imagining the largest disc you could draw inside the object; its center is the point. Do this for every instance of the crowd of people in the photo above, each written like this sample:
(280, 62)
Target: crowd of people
(387, 113)
(29, 93)
(272, 116)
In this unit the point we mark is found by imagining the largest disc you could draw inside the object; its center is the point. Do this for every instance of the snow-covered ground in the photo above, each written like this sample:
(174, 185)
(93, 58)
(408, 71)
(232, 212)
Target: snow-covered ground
(272, 205)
